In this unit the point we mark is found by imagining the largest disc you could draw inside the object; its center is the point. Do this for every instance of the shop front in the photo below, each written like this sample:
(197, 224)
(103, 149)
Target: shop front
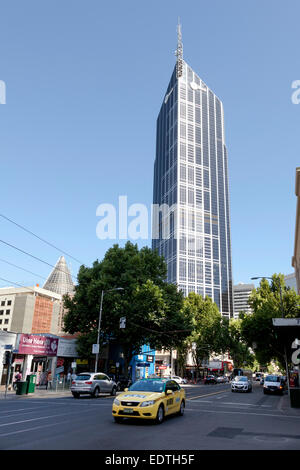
(35, 354)
(67, 356)
(7, 342)
(143, 365)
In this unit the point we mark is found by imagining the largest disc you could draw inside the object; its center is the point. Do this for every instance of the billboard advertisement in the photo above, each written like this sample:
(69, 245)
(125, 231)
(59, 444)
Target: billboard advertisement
(37, 345)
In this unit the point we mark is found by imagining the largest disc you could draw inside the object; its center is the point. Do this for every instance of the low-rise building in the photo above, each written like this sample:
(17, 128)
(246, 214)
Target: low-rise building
(29, 310)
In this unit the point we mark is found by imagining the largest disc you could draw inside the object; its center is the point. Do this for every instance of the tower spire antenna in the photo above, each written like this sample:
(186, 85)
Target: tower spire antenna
(179, 51)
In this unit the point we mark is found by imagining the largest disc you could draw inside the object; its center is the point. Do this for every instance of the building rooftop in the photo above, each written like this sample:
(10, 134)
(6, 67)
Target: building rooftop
(60, 279)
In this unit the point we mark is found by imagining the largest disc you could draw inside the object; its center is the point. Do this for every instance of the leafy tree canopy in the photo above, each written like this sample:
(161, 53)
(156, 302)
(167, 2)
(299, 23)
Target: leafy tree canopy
(153, 308)
(257, 328)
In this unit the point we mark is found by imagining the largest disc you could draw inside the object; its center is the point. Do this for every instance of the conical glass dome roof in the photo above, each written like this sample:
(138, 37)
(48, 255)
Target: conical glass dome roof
(60, 279)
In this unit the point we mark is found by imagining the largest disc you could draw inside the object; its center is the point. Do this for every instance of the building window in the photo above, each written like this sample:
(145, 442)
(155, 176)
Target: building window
(2, 303)
(6, 321)
(7, 312)
(1, 322)
(9, 302)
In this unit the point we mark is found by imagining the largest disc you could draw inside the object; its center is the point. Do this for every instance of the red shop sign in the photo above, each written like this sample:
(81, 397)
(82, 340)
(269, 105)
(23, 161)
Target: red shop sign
(39, 345)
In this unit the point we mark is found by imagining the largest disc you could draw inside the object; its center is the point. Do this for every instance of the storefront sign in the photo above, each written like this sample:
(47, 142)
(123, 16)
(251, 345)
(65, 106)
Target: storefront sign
(41, 345)
(66, 348)
(149, 359)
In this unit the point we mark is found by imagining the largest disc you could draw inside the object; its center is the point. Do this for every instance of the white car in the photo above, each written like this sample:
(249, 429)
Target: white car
(177, 379)
(273, 384)
(241, 383)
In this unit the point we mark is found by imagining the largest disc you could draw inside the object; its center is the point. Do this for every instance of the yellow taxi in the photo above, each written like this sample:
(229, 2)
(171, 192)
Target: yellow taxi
(150, 399)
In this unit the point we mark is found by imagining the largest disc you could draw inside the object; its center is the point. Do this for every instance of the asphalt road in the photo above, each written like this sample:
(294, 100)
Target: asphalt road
(215, 418)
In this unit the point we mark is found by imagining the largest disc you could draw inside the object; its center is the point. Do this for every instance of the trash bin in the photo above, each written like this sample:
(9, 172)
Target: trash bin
(21, 388)
(295, 397)
(31, 380)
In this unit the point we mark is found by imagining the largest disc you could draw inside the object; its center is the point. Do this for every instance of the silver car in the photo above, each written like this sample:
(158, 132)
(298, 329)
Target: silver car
(90, 383)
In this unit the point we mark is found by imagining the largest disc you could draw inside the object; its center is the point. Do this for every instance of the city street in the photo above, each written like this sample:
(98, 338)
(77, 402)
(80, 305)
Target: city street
(215, 418)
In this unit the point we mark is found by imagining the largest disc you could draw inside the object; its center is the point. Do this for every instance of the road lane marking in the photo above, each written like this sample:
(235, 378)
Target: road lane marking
(28, 429)
(41, 417)
(17, 410)
(242, 413)
(207, 395)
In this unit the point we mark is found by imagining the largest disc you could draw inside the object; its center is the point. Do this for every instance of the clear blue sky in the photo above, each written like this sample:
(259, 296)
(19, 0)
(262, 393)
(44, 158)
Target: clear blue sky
(85, 81)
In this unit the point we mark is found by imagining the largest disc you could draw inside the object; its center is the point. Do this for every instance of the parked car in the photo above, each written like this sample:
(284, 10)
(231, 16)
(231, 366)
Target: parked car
(150, 399)
(241, 383)
(258, 376)
(210, 379)
(177, 379)
(90, 383)
(122, 381)
(222, 379)
(274, 384)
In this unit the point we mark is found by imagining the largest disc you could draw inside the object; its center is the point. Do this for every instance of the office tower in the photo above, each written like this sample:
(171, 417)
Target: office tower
(241, 294)
(192, 228)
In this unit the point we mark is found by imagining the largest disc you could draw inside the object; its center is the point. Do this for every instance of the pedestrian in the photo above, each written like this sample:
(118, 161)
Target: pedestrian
(18, 378)
(49, 380)
(69, 377)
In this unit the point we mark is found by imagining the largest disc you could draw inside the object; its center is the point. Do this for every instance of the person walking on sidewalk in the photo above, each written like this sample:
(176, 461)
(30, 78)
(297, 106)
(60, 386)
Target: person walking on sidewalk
(18, 378)
(49, 380)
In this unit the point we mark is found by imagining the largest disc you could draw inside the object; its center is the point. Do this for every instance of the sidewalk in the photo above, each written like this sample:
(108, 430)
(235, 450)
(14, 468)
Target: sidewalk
(38, 393)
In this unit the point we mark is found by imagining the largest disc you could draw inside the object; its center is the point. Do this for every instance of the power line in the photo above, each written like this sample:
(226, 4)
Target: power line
(23, 269)
(42, 239)
(34, 257)
(16, 284)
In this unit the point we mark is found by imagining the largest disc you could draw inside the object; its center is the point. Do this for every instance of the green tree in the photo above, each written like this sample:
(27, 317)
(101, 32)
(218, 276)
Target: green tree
(257, 328)
(237, 347)
(153, 308)
(206, 334)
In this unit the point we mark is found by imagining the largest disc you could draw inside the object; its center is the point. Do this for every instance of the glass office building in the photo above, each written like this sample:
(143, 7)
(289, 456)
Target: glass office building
(191, 219)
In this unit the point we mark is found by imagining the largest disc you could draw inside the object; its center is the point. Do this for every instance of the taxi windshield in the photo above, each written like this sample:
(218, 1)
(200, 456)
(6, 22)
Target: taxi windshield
(147, 386)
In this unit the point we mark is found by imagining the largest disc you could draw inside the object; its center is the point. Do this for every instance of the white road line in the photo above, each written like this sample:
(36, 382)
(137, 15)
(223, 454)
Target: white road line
(28, 429)
(17, 410)
(241, 413)
(41, 417)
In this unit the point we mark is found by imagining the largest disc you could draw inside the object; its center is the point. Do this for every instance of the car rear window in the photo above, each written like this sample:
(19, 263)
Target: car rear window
(83, 377)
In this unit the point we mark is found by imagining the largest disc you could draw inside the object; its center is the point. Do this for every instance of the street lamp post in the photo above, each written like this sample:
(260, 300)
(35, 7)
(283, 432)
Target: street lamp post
(99, 323)
(282, 315)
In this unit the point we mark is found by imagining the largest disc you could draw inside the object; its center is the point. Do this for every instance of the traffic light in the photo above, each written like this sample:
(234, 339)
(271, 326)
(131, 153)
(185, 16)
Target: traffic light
(6, 358)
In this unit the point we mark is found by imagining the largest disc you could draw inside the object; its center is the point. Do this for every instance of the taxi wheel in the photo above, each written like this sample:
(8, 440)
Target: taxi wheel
(160, 415)
(181, 410)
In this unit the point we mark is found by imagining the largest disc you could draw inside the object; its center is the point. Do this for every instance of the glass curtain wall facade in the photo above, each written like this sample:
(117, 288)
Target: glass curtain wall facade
(192, 228)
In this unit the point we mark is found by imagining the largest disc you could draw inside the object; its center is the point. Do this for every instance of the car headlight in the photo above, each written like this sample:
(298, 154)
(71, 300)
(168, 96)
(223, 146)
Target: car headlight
(116, 402)
(147, 403)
